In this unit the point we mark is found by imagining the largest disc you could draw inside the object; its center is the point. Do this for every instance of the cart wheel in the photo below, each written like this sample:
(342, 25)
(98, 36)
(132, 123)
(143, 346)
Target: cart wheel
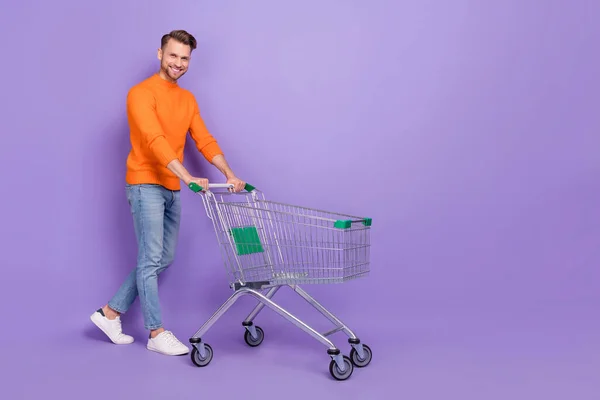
(198, 359)
(252, 342)
(339, 375)
(361, 362)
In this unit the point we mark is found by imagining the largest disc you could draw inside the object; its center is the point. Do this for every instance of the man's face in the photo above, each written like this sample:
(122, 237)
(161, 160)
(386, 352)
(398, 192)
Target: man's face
(174, 60)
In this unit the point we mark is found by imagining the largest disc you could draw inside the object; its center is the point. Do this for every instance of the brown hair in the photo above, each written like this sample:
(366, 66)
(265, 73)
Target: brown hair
(181, 36)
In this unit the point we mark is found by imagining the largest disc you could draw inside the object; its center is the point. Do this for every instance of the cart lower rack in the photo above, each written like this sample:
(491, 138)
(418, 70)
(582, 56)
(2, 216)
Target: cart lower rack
(266, 245)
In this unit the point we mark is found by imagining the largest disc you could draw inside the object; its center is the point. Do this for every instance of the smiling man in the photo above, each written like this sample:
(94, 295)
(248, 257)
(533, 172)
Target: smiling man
(160, 114)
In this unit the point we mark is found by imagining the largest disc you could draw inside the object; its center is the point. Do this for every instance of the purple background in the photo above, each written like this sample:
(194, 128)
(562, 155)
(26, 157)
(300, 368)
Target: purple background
(467, 130)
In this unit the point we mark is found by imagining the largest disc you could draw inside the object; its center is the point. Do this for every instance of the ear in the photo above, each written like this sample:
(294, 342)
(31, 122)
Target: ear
(159, 54)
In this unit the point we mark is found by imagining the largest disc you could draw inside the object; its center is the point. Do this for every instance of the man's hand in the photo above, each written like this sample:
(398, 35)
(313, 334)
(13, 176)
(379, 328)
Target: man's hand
(179, 170)
(221, 164)
(238, 184)
(199, 181)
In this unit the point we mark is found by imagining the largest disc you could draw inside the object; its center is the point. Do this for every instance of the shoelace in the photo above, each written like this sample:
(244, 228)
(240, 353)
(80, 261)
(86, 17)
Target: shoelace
(171, 339)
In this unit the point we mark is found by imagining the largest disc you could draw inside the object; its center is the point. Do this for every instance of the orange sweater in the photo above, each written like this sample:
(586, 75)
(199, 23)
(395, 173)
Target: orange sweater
(160, 114)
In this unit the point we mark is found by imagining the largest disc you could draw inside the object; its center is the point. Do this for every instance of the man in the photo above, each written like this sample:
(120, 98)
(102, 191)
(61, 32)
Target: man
(160, 113)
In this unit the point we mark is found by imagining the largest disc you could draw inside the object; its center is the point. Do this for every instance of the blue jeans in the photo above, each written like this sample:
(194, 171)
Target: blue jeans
(156, 214)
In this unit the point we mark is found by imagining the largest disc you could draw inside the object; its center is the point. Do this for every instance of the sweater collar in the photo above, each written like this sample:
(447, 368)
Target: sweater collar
(162, 82)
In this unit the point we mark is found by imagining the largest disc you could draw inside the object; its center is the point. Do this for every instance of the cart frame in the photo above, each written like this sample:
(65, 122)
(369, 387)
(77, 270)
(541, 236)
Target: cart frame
(351, 259)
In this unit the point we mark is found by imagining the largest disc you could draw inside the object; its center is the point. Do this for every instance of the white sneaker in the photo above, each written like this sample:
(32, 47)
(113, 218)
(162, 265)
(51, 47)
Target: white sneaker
(166, 343)
(111, 327)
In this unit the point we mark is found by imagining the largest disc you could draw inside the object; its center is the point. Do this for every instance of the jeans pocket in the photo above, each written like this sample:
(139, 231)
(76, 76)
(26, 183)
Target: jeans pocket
(129, 195)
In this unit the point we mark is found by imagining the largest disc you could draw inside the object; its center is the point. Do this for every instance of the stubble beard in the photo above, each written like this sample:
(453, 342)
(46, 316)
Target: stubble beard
(168, 73)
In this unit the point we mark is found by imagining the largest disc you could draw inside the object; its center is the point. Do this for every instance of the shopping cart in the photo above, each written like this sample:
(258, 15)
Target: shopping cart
(266, 245)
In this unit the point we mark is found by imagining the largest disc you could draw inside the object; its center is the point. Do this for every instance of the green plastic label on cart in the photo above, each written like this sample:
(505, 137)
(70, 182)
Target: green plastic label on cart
(246, 240)
(347, 223)
(342, 224)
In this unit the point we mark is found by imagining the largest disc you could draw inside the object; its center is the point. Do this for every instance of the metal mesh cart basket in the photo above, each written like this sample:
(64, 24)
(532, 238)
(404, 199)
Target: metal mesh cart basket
(266, 245)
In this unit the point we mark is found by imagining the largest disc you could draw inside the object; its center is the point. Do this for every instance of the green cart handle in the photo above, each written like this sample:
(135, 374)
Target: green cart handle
(194, 187)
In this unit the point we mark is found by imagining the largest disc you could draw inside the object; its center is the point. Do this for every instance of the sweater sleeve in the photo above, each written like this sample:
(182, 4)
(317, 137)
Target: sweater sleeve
(141, 112)
(205, 142)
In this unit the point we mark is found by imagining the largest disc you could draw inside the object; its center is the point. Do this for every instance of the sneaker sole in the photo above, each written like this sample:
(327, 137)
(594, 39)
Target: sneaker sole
(102, 329)
(167, 354)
